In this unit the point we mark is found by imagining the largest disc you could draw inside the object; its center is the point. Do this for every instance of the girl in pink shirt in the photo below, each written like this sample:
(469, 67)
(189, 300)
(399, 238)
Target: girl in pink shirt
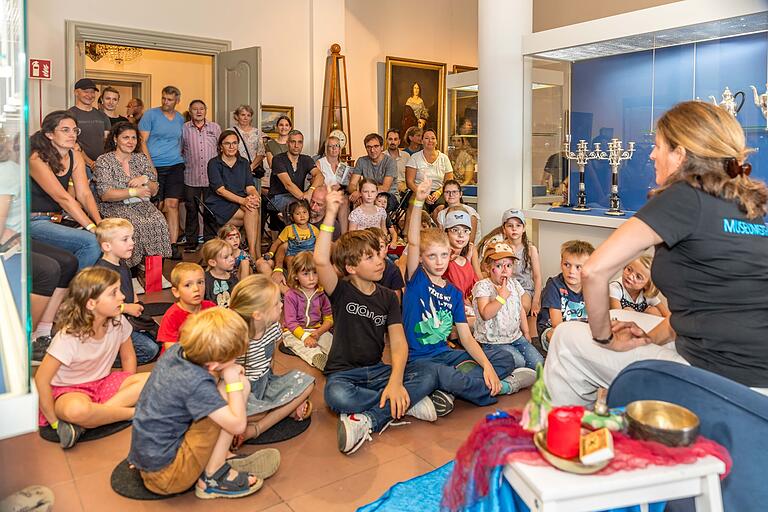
(77, 387)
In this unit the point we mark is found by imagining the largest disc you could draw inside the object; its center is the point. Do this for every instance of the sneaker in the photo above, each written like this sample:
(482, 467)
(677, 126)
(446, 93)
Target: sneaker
(319, 360)
(69, 433)
(353, 430)
(176, 253)
(39, 348)
(263, 463)
(34, 498)
(442, 401)
(521, 378)
(423, 410)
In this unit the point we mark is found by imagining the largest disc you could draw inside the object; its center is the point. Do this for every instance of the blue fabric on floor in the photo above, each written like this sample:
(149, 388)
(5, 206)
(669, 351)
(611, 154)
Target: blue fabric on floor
(427, 491)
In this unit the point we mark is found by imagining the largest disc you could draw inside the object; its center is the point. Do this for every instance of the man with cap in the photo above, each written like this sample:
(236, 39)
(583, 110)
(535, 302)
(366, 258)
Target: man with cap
(93, 123)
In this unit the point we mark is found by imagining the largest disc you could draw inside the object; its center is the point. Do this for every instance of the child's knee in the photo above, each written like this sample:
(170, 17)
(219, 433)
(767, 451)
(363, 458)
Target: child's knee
(337, 395)
(77, 411)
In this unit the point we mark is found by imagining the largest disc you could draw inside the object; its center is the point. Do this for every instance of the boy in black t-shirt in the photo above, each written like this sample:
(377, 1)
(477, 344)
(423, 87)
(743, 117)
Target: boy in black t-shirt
(367, 393)
(219, 276)
(561, 299)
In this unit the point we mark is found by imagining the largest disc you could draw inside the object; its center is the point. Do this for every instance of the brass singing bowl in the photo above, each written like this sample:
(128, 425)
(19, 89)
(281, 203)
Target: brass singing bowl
(654, 420)
(573, 465)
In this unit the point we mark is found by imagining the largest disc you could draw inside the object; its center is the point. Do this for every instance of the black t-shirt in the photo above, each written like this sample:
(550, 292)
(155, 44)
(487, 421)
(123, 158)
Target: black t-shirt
(713, 269)
(360, 322)
(392, 277)
(282, 164)
(118, 119)
(126, 281)
(218, 290)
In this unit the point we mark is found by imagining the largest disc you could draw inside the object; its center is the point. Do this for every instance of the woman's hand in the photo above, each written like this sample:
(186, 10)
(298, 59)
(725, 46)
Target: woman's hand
(142, 192)
(627, 336)
(422, 189)
(138, 181)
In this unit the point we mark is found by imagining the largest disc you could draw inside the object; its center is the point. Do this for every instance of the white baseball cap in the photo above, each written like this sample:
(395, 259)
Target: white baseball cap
(457, 218)
(513, 214)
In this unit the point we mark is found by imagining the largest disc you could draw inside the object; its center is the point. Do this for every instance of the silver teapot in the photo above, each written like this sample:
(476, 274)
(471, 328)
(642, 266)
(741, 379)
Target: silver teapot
(761, 100)
(729, 101)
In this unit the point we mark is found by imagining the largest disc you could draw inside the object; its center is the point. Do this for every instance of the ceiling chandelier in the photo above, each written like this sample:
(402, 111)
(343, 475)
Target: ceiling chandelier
(112, 52)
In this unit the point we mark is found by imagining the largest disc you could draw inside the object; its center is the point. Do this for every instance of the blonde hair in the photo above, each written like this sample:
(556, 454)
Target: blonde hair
(254, 293)
(302, 262)
(646, 261)
(107, 229)
(214, 335)
(433, 236)
(182, 268)
(576, 248)
(212, 248)
(713, 141)
(351, 247)
(73, 316)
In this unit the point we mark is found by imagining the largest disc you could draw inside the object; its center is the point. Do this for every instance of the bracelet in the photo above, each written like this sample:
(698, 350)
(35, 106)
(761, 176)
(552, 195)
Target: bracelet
(277, 269)
(55, 425)
(603, 341)
(327, 228)
(312, 188)
(122, 307)
(235, 386)
(131, 192)
(90, 226)
(418, 204)
(501, 300)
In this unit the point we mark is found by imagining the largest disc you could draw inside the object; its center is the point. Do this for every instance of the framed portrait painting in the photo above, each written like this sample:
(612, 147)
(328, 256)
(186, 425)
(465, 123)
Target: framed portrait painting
(269, 116)
(458, 68)
(414, 96)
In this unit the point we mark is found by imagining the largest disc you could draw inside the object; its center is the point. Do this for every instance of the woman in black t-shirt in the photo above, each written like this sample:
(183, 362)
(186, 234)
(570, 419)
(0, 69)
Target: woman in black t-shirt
(707, 224)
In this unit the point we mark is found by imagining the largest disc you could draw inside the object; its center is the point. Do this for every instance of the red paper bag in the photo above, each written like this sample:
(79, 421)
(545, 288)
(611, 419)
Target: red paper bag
(153, 273)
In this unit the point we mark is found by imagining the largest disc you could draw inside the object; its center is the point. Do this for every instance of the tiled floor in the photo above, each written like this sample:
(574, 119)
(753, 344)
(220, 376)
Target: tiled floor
(313, 476)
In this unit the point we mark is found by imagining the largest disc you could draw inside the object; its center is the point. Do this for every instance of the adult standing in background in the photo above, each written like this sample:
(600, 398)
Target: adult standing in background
(377, 166)
(251, 145)
(199, 144)
(108, 101)
(289, 173)
(94, 124)
(161, 130)
(279, 145)
(399, 156)
(134, 110)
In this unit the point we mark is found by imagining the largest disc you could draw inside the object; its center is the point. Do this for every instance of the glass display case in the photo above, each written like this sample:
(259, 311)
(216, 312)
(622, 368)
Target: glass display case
(18, 402)
(617, 89)
(461, 138)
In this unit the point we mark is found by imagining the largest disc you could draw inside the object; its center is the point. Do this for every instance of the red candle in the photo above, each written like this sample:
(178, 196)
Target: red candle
(564, 431)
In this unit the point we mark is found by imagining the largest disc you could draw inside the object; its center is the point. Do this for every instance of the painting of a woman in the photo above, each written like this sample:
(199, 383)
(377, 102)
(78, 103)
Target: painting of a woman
(417, 103)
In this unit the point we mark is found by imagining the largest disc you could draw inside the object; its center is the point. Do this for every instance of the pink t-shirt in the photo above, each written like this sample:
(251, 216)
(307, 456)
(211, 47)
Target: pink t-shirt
(89, 359)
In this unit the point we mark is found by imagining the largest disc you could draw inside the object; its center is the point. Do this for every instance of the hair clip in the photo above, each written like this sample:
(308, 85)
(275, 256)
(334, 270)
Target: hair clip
(734, 169)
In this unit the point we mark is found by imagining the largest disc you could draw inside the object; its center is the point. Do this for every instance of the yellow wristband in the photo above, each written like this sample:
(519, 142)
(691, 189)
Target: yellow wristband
(277, 269)
(90, 226)
(418, 204)
(501, 300)
(327, 228)
(131, 192)
(122, 308)
(55, 425)
(312, 188)
(235, 386)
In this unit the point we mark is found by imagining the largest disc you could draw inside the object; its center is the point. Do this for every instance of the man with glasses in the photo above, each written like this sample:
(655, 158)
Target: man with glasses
(161, 130)
(93, 123)
(378, 166)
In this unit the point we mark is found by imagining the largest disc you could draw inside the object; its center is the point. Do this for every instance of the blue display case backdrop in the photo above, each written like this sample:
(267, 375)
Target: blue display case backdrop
(622, 96)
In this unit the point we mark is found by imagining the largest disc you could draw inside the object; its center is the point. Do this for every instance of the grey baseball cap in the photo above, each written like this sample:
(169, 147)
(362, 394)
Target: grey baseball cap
(513, 214)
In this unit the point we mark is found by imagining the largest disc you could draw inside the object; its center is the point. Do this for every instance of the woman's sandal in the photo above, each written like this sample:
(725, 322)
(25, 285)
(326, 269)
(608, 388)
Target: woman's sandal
(307, 412)
(217, 485)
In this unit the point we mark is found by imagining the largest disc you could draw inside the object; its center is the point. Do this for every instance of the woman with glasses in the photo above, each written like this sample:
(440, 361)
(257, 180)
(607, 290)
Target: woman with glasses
(59, 186)
(232, 194)
(336, 174)
(453, 194)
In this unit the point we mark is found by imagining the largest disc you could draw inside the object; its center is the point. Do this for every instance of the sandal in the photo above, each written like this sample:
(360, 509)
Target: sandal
(217, 485)
(239, 439)
(307, 412)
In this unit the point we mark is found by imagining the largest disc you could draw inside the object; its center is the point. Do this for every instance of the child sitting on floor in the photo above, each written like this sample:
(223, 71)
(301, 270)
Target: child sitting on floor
(432, 306)
(392, 278)
(382, 200)
(76, 386)
(219, 278)
(497, 301)
(273, 397)
(307, 317)
(368, 215)
(366, 393)
(191, 407)
(244, 265)
(635, 291)
(562, 300)
(299, 236)
(188, 286)
(115, 236)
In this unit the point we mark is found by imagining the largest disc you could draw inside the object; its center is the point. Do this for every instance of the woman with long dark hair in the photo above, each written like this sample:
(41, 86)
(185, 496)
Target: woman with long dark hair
(125, 181)
(59, 185)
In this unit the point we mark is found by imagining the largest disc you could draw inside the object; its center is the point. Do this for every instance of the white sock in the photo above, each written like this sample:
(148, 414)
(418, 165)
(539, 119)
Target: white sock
(43, 329)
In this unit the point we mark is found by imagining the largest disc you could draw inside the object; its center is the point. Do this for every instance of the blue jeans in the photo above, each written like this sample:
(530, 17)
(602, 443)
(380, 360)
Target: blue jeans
(281, 202)
(79, 242)
(521, 349)
(359, 390)
(145, 346)
(468, 382)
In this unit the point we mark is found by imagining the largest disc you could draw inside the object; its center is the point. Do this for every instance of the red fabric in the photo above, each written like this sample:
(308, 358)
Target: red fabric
(99, 391)
(173, 319)
(153, 273)
(499, 439)
(463, 278)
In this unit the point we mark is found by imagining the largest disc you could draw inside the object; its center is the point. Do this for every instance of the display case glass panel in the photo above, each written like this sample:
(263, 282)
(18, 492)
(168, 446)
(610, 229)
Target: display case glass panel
(619, 89)
(461, 146)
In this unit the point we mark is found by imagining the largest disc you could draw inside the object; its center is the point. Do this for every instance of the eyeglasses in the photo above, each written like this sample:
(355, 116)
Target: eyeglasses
(67, 130)
(373, 146)
(460, 231)
(451, 192)
(337, 146)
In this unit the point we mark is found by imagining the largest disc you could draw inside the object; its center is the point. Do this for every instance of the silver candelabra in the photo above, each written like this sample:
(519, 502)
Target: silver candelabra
(615, 155)
(581, 156)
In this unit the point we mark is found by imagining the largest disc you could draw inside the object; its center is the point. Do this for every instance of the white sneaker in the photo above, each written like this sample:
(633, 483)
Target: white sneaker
(521, 378)
(352, 431)
(423, 410)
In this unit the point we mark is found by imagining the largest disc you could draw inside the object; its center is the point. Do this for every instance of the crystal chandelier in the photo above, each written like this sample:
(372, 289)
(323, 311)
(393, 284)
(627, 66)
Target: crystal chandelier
(112, 52)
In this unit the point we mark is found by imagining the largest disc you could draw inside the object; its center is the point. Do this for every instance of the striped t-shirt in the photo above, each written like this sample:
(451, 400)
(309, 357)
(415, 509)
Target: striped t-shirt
(258, 357)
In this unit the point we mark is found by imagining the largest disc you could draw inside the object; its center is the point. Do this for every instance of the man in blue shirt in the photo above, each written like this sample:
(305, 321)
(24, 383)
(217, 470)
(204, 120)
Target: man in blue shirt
(161, 130)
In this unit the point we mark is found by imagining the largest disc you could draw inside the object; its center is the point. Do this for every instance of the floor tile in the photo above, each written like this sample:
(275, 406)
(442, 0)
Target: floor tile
(362, 488)
(98, 455)
(29, 460)
(280, 507)
(66, 498)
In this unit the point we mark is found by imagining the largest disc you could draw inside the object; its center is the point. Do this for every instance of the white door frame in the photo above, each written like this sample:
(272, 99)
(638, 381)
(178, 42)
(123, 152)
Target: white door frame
(77, 31)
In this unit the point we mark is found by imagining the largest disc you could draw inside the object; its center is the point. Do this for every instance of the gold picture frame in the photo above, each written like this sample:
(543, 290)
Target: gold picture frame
(404, 105)
(269, 116)
(458, 68)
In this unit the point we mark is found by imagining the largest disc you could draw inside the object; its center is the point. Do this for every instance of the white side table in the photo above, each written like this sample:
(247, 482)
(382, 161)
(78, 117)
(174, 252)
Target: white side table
(546, 489)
